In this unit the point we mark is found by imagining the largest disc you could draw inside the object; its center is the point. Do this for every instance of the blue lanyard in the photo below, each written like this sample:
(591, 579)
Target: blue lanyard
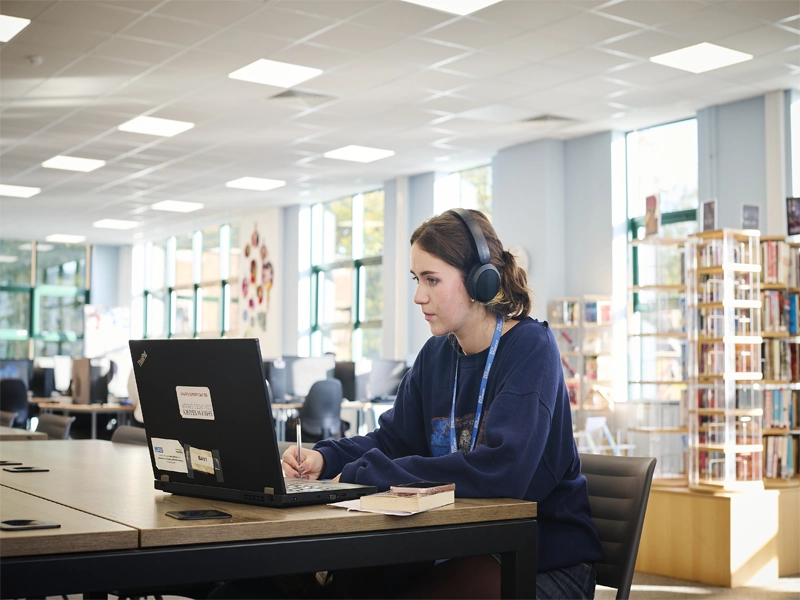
(498, 330)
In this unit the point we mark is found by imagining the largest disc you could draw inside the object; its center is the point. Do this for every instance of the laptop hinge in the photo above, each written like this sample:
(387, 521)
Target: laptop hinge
(268, 490)
(165, 478)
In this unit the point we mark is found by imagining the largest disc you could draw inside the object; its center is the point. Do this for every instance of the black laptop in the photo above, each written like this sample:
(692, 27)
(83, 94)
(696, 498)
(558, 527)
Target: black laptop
(210, 428)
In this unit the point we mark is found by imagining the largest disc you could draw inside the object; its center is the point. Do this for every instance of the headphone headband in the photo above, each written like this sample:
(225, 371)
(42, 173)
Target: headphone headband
(477, 233)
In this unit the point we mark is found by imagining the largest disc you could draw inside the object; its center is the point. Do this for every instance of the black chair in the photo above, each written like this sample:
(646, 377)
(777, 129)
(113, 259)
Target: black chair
(320, 413)
(7, 418)
(619, 487)
(14, 398)
(127, 434)
(55, 426)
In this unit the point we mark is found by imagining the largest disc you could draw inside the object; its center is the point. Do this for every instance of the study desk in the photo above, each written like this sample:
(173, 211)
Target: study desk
(122, 410)
(281, 412)
(115, 482)
(15, 434)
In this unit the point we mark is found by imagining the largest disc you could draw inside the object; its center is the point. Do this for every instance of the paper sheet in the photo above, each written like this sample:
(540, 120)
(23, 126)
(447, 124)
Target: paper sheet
(356, 505)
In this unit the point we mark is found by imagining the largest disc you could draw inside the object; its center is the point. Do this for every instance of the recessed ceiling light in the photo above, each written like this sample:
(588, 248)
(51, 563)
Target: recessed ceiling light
(11, 26)
(115, 224)
(40, 247)
(361, 154)
(5, 258)
(73, 163)
(255, 183)
(271, 72)
(18, 191)
(701, 58)
(176, 206)
(456, 7)
(65, 238)
(156, 126)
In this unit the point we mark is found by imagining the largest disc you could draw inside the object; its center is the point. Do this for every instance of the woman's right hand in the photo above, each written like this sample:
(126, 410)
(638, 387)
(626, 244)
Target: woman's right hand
(310, 468)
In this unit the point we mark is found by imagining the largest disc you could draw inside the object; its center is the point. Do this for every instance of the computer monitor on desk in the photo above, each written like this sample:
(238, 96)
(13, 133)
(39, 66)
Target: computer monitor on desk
(378, 379)
(303, 371)
(90, 377)
(275, 372)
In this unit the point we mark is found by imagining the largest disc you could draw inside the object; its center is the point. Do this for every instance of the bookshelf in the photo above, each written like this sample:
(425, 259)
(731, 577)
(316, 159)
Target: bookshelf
(596, 354)
(723, 320)
(564, 317)
(780, 287)
(657, 385)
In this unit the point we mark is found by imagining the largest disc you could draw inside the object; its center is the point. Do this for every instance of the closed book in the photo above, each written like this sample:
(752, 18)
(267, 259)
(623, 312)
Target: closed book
(406, 502)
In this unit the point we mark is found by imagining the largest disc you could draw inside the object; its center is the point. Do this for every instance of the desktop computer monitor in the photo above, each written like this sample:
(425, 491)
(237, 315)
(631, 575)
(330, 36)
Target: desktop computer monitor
(17, 369)
(275, 372)
(378, 378)
(303, 371)
(43, 382)
(90, 379)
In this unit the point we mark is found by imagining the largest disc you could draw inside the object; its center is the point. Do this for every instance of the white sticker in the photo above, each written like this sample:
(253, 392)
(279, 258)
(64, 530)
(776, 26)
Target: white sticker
(195, 402)
(201, 460)
(169, 455)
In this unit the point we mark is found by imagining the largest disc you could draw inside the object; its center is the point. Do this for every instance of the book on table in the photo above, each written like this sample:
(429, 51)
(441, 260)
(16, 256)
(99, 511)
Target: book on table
(402, 501)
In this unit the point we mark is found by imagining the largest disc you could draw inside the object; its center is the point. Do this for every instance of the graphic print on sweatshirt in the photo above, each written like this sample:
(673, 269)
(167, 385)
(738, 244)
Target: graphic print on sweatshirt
(440, 438)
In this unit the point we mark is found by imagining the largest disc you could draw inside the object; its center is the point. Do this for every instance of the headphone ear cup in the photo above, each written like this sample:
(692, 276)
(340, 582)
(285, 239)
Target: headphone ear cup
(483, 282)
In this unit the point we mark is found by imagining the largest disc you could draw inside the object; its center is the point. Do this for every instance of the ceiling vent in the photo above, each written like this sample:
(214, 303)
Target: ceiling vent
(300, 98)
(548, 120)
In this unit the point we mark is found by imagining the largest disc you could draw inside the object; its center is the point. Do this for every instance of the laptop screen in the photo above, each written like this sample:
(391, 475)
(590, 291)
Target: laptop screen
(207, 413)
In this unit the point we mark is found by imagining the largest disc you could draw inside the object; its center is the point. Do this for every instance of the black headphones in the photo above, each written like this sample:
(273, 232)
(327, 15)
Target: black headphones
(483, 280)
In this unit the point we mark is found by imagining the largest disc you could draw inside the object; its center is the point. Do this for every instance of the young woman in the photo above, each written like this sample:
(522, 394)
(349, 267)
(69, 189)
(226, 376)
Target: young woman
(484, 406)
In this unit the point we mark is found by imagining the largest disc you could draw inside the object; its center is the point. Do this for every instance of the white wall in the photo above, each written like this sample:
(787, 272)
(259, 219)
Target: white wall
(291, 228)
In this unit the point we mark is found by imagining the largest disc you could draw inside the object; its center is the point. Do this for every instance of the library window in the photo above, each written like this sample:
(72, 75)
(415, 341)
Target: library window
(185, 286)
(346, 283)
(43, 291)
(470, 188)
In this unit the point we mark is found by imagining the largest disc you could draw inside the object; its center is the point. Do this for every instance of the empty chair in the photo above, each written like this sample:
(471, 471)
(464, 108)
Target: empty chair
(127, 434)
(619, 487)
(55, 426)
(320, 413)
(14, 398)
(7, 418)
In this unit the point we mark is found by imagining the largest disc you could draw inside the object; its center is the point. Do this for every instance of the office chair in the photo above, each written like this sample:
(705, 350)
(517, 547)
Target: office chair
(14, 398)
(55, 426)
(7, 418)
(320, 413)
(127, 434)
(619, 487)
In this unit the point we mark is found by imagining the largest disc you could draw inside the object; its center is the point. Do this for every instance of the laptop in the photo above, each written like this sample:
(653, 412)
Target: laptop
(209, 425)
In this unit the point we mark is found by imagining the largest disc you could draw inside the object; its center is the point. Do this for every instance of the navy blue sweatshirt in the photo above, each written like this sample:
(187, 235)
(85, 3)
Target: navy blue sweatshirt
(524, 448)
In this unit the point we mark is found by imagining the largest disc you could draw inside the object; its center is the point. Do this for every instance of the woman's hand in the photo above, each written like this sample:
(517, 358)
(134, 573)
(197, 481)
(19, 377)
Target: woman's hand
(310, 468)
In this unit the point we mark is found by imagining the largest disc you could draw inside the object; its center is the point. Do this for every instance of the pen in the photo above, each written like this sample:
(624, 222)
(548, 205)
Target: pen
(299, 445)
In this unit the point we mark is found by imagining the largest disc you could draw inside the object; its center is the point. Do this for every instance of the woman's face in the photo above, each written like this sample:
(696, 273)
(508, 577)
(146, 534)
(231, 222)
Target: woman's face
(441, 293)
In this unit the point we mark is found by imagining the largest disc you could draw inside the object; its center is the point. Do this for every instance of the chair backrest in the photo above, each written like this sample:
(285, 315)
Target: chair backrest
(127, 434)
(320, 413)
(14, 398)
(345, 371)
(619, 487)
(7, 418)
(55, 426)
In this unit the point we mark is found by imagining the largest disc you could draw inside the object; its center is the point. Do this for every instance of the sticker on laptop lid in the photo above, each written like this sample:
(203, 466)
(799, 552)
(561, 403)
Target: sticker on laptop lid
(201, 460)
(169, 455)
(195, 402)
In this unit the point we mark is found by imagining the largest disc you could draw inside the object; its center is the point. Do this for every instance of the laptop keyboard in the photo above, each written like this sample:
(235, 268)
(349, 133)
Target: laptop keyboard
(298, 488)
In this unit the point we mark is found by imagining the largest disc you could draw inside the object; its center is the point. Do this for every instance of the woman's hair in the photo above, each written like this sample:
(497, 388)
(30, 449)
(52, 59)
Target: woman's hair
(447, 237)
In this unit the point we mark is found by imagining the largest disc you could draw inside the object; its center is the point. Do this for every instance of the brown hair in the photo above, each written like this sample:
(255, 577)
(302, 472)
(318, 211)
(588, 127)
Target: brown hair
(446, 237)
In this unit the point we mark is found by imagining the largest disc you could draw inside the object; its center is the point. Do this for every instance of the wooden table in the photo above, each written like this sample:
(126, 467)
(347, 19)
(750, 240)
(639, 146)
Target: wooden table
(14, 434)
(122, 410)
(115, 482)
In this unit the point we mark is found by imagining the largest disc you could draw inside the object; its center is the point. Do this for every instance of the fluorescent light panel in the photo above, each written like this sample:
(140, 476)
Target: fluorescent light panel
(701, 58)
(18, 191)
(176, 206)
(456, 7)
(255, 183)
(156, 126)
(73, 163)
(114, 224)
(271, 72)
(11, 26)
(362, 154)
(65, 238)
(5, 258)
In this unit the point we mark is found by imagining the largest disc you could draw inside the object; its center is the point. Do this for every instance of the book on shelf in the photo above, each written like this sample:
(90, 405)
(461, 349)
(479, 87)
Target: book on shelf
(394, 501)
(779, 457)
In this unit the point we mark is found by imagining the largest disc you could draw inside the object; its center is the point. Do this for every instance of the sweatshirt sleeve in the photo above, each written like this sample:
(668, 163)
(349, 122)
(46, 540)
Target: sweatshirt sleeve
(518, 425)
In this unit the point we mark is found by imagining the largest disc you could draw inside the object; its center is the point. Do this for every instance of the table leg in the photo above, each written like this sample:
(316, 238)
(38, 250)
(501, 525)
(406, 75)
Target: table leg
(94, 425)
(518, 570)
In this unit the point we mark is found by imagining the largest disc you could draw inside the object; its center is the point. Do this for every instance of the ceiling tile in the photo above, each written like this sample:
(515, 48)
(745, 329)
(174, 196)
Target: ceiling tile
(177, 33)
(647, 43)
(87, 15)
(710, 25)
(762, 40)
(592, 87)
(285, 24)
(588, 62)
(482, 64)
(473, 33)
(652, 12)
(529, 15)
(449, 104)
(135, 50)
(219, 14)
(58, 37)
(18, 55)
(248, 45)
(486, 91)
(533, 47)
(773, 10)
(214, 64)
(402, 16)
(420, 52)
(356, 38)
(435, 80)
(312, 55)
(647, 74)
(25, 9)
(539, 76)
(341, 9)
(789, 57)
(132, 5)
(586, 28)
